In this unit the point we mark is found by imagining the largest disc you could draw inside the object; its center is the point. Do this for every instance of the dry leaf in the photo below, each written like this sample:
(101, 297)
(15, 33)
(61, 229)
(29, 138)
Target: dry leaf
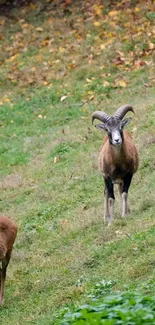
(96, 23)
(102, 46)
(32, 5)
(12, 58)
(98, 10)
(63, 98)
(56, 160)
(121, 83)
(6, 100)
(90, 92)
(113, 13)
(151, 46)
(105, 83)
(137, 9)
(39, 29)
(64, 222)
(88, 80)
(92, 97)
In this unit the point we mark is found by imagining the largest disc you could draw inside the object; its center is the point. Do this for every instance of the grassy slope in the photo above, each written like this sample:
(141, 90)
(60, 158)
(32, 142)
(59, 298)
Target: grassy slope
(49, 180)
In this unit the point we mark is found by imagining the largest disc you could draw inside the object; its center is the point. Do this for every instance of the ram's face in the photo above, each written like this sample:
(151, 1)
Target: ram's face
(115, 131)
(114, 128)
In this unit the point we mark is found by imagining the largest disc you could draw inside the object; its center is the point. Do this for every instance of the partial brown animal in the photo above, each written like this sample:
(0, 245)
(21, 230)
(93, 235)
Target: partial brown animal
(8, 232)
(118, 159)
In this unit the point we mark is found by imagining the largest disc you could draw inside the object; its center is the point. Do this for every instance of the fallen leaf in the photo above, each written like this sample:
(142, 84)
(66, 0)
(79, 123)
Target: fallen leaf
(137, 9)
(151, 46)
(64, 222)
(113, 13)
(6, 100)
(63, 98)
(88, 80)
(121, 83)
(105, 83)
(96, 23)
(102, 46)
(90, 92)
(98, 10)
(32, 5)
(39, 29)
(12, 58)
(56, 160)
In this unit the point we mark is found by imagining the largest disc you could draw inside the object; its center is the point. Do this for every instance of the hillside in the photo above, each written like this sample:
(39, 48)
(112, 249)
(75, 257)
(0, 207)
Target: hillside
(60, 61)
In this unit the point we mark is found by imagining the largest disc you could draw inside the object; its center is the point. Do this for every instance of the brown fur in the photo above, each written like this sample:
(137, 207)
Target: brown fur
(115, 162)
(8, 232)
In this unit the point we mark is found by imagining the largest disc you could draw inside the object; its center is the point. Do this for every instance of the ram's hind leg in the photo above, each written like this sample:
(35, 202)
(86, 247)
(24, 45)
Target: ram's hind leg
(109, 201)
(125, 188)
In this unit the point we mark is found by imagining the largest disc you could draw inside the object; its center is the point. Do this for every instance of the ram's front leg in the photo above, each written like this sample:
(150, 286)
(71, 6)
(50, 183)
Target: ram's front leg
(125, 188)
(109, 201)
(106, 206)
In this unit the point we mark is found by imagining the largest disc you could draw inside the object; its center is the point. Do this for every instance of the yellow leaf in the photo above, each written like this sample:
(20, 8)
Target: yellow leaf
(32, 5)
(56, 159)
(12, 58)
(98, 10)
(6, 100)
(78, 36)
(45, 42)
(137, 9)
(113, 13)
(121, 83)
(151, 46)
(39, 29)
(2, 22)
(102, 46)
(96, 23)
(92, 97)
(105, 83)
(128, 24)
(61, 49)
(25, 26)
(88, 80)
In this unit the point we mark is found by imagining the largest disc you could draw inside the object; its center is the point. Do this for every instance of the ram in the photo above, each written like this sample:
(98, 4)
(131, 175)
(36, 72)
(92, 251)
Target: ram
(8, 232)
(118, 159)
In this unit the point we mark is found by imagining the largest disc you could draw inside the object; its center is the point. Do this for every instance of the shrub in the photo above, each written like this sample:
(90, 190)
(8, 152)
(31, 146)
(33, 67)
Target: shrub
(118, 309)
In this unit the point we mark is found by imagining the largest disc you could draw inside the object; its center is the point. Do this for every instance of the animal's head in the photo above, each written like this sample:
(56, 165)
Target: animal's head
(113, 125)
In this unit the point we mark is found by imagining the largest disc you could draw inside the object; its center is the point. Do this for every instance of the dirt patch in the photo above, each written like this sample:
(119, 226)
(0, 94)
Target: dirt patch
(11, 181)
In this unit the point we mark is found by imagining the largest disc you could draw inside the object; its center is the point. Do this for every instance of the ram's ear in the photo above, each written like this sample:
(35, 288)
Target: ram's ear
(126, 121)
(101, 126)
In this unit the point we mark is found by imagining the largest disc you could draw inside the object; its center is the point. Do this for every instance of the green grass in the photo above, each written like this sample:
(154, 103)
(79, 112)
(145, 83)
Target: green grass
(49, 179)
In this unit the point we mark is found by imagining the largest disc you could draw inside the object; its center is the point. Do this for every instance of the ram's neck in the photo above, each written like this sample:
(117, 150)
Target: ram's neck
(118, 152)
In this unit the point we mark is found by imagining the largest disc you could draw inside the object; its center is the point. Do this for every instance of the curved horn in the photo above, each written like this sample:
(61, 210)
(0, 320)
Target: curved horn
(120, 113)
(102, 116)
